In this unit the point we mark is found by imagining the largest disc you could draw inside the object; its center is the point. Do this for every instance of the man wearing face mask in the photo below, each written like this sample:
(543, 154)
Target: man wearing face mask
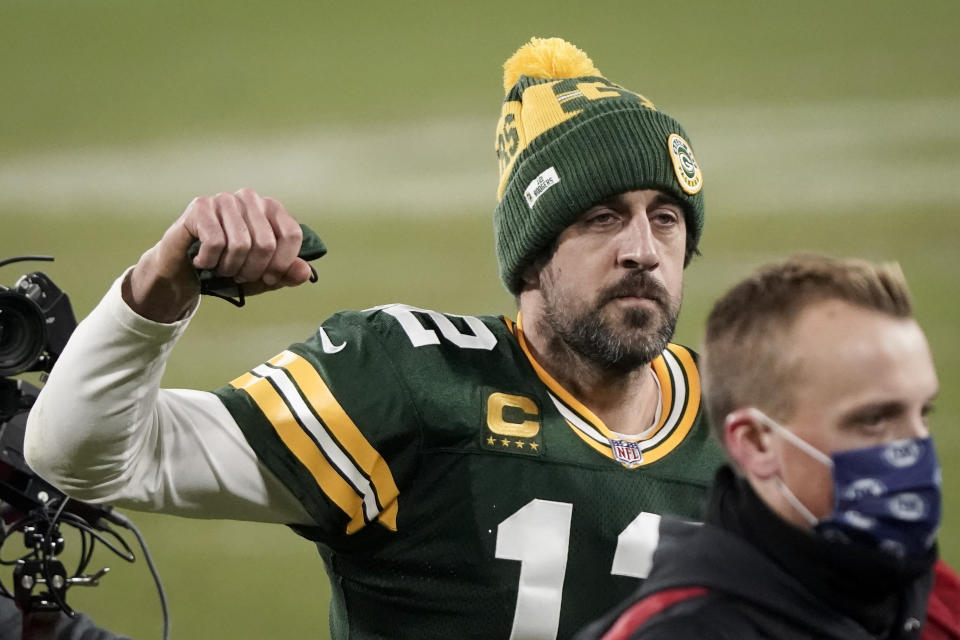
(818, 381)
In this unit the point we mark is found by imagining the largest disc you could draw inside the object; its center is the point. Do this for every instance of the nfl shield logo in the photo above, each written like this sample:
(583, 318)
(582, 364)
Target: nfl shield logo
(627, 453)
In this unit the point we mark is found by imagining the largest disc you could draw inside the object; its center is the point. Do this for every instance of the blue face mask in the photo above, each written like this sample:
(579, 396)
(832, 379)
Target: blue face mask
(885, 496)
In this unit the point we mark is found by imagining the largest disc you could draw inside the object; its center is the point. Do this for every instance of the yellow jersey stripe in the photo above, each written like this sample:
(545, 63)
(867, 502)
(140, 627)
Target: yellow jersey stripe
(303, 447)
(346, 433)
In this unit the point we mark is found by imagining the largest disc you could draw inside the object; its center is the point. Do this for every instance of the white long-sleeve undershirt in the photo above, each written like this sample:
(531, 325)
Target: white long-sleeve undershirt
(102, 429)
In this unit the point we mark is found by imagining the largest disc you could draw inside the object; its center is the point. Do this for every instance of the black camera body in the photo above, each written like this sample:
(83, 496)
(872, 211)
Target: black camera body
(36, 321)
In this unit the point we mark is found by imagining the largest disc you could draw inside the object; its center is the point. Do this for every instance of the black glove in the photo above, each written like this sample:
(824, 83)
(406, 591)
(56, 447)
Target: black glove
(311, 248)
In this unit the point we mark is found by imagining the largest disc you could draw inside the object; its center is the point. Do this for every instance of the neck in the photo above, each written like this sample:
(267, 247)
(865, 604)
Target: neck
(626, 400)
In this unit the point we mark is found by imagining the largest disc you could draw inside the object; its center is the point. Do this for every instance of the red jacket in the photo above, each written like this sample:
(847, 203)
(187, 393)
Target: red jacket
(943, 608)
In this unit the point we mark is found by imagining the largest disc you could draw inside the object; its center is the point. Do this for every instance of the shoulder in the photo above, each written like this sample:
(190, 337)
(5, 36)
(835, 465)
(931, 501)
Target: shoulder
(943, 613)
(411, 346)
(376, 360)
(713, 616)
(687, 612)
(402, 326)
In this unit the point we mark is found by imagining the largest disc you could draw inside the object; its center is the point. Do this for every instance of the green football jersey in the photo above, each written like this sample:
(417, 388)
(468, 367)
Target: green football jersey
(458, 491)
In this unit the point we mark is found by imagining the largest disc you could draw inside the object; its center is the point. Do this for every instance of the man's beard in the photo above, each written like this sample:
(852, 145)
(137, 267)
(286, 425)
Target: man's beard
(641, 336)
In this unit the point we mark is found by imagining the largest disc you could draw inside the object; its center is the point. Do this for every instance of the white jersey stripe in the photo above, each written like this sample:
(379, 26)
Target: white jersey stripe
(577, 422)
(344, 465)
(678, 404)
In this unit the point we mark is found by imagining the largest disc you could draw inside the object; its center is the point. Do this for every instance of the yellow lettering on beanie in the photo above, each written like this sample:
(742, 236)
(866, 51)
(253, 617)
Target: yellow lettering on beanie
(543, 107)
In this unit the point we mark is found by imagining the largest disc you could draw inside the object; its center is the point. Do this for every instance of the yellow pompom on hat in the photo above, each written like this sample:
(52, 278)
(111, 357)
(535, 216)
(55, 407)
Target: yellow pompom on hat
(547, 58)
(567, 139)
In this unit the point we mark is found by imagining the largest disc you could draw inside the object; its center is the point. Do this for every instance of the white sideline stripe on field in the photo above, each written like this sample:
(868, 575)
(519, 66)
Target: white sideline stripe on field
(826, 156)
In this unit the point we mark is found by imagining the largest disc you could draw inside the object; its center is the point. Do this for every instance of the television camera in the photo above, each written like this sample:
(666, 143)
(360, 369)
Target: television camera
(36, 321)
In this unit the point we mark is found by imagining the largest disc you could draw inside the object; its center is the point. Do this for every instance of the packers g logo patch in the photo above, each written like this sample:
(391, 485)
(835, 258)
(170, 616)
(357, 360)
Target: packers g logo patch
(685, 165)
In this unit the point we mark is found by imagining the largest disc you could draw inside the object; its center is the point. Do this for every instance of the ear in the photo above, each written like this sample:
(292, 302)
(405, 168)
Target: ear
(531, 276)
(751, 444)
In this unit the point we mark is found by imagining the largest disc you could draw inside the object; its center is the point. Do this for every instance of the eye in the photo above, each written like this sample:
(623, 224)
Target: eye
(665, 217)
(876, 419)
(873, 423)
(601, 218)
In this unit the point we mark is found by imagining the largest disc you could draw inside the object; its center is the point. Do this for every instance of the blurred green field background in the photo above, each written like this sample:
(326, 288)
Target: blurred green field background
(829, 126)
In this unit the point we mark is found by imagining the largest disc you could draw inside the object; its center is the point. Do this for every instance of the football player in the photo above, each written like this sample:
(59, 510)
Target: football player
(469, 477)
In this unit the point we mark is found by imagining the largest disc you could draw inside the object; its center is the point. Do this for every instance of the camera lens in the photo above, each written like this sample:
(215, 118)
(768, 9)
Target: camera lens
(22, 333)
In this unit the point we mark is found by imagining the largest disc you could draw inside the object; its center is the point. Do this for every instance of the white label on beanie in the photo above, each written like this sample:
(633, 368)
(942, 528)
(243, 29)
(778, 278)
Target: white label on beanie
(539, 186)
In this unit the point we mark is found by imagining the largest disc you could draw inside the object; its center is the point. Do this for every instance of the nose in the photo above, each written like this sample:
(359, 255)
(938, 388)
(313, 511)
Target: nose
(638, 247)
(912, 424)
(918, 428)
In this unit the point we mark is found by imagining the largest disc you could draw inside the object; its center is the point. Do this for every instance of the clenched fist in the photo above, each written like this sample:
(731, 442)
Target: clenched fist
(243, 236)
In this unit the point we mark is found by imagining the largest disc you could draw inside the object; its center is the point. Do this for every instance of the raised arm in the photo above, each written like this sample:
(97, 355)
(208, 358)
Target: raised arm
(102, 429)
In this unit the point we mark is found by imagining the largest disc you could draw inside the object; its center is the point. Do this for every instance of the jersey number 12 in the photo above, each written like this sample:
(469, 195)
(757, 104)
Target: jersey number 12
(538, 536)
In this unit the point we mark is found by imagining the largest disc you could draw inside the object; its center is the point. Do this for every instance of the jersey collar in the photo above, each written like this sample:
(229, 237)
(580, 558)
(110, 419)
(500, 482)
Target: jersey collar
(679, 382)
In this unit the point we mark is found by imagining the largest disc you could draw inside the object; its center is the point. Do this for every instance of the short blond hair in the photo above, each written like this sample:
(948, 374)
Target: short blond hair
(745, 361)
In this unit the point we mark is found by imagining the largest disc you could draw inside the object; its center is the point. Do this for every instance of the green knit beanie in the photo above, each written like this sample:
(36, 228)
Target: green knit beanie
(567, 139)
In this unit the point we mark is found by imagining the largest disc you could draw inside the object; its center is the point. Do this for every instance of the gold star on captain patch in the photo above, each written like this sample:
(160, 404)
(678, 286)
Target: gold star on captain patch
(519, 444)
(534, 446)
(505, 442)
(491, 440)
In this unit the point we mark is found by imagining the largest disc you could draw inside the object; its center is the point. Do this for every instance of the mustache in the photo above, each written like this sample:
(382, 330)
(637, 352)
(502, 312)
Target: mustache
(639, 285)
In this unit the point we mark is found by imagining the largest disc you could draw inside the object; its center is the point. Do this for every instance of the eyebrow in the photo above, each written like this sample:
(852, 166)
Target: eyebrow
(881, 410)
(660, 199)
(666, 198)
(873, 411)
